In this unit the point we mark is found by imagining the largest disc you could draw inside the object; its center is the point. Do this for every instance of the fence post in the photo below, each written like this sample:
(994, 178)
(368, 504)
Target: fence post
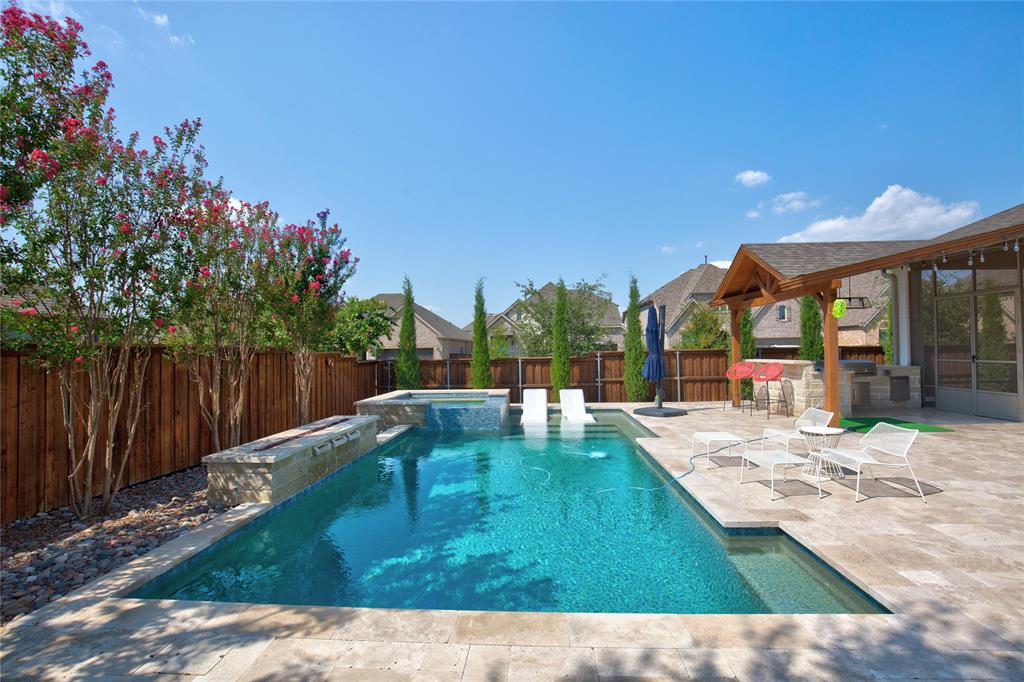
(447, 373)
(520, 378)
(679, 381)
(599, 377)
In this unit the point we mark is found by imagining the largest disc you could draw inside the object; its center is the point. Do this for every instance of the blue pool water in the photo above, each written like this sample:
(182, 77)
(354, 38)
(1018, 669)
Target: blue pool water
(508, 521)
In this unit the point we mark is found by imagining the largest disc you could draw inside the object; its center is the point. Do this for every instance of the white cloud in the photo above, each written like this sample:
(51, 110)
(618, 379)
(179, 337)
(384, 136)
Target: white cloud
(699, 244)
(898, 213)
(54, 8)
(793, 202)
(668, 249)
(724, 264)
(752, 178)
(162, 21)
(753, 213)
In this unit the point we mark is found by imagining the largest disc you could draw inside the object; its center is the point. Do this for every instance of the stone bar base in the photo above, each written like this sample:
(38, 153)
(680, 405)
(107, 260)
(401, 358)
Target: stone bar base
(805, 387)
(274, 468)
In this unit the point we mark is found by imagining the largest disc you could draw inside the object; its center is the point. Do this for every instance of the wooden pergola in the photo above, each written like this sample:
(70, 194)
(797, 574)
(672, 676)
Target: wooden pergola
(761, 274)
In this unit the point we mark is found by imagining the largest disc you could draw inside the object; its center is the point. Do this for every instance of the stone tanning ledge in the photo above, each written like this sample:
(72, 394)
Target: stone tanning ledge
(274, 468)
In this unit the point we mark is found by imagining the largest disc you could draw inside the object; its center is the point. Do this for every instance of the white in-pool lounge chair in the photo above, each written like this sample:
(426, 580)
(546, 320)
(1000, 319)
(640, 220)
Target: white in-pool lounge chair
(811, 417)
(535, 406)
(573, 409)
(888, 439)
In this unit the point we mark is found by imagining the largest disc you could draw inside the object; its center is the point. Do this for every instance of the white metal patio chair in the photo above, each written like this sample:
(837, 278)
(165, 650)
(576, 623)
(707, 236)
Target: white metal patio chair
(811, 417)
(889, 439)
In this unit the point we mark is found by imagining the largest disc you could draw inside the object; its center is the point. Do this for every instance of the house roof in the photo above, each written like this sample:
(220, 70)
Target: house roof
(765, 273)
(677, 293)
(792, 259)
(492, 320)
(442, 327)
(609, 310)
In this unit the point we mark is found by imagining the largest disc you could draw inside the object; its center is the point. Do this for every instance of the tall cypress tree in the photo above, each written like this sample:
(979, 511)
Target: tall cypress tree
(407, 366)
(748, 349)
(561, 372)
(480, 370)
(812, 346)
(633, 377)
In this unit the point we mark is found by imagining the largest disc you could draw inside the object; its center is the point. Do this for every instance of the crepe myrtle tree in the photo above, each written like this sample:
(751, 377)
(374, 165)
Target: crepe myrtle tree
(94, 268)
(307, 267)
(222, 320)
(41, 87)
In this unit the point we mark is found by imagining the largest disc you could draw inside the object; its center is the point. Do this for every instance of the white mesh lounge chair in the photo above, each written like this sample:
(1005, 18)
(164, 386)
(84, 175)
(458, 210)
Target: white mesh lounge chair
(535, 406)
(811, 417)
(887, 439)
(573, 409)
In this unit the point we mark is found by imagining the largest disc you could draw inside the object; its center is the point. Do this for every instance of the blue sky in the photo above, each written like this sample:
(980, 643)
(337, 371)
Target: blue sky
(516, 141)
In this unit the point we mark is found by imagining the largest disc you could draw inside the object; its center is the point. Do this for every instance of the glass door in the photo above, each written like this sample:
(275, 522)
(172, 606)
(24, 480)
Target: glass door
(995, 355)
(954, 355)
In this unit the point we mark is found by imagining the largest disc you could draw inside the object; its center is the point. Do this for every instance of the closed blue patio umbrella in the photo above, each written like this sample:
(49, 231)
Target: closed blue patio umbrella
(654, 366)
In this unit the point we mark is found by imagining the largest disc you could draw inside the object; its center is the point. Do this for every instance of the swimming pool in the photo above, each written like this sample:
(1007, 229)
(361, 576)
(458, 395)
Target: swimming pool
(580, 521)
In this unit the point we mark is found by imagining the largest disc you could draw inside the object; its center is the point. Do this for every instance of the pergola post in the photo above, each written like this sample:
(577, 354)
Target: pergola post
(831, 336)
(734, 328)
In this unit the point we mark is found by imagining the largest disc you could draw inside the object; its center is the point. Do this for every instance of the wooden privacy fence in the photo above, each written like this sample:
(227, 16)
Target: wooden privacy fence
(875, 354)
(171, 434)
(690, 375)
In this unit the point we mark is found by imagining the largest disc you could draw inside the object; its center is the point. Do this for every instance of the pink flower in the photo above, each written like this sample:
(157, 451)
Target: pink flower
(126, 228)
(205, 271)
(171, 329)
(74, 328)
(29, 311)
(315, 286)
(79, 359)
(234, 244)
(101, 180)
(295, 298)
(159, 322)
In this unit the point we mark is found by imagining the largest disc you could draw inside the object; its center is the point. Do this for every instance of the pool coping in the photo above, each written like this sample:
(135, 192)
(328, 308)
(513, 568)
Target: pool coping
(101, 601)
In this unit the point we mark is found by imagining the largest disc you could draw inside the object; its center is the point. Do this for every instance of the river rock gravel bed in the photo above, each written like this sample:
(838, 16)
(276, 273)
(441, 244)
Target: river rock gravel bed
(48, 555)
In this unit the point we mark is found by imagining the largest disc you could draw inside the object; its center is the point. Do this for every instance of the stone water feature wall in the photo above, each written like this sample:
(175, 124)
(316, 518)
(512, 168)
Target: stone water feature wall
(274, 468)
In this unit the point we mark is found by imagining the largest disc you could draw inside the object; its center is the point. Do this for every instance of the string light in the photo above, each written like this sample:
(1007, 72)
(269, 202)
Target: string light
(1016, 245)
(1006, 247)
(945, 259)
(970, 259)
(983, 255)
(935, 266)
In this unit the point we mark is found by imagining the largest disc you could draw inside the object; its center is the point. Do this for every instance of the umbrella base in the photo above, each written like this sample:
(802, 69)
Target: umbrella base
(660, 411)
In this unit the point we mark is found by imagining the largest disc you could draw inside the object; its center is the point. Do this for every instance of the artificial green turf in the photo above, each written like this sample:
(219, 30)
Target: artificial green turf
(864, 424)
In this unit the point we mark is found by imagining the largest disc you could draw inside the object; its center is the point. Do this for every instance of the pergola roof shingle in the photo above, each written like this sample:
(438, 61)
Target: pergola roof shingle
(793, 259)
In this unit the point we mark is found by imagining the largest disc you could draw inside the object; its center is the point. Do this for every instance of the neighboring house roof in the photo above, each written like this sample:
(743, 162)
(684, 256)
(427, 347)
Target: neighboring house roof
(873, 286)
(609, 311)
(442, 327)
(493, 320)
(699, 282)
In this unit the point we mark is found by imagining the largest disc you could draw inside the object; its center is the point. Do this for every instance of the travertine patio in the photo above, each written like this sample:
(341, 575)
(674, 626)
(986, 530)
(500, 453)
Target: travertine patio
(950, 570)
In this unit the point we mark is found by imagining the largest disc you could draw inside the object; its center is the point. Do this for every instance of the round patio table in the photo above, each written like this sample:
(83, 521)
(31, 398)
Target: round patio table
(818, 438)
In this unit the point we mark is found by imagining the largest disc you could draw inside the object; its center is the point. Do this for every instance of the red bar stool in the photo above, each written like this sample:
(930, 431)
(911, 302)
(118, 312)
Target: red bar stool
(765, 374)
(738, 372)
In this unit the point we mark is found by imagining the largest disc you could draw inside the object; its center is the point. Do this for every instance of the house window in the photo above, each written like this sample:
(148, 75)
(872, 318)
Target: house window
(783, 313)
